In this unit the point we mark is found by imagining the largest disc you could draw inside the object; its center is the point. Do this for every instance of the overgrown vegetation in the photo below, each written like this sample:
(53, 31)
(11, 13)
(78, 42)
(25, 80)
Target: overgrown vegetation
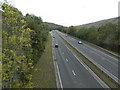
(23, 40)
(39, 35)
(106, 36)
(43, 75)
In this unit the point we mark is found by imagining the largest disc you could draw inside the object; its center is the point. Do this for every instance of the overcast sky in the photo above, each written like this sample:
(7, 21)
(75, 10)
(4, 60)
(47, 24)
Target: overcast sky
(69, 12)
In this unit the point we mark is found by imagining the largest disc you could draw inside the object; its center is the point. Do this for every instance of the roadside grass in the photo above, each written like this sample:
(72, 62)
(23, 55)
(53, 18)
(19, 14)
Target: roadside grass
(111, 83)
(44, 75)
(97, 47)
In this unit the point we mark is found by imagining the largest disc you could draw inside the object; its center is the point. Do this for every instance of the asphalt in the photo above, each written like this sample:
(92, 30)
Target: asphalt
(73, 74)
(105, 62)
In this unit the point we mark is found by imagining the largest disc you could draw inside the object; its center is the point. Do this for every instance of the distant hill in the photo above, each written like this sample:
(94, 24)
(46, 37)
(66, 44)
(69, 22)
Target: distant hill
(102, 22)
(53, 25)
(97, 24)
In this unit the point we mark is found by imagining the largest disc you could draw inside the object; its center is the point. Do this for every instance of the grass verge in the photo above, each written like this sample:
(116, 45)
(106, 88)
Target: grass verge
(44, 75)
(98, 47)
(111, 83)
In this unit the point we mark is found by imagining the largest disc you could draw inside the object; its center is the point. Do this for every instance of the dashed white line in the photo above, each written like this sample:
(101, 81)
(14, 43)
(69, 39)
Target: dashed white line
(73, 72)
(104, 85)
(102, 68)
(66, 59)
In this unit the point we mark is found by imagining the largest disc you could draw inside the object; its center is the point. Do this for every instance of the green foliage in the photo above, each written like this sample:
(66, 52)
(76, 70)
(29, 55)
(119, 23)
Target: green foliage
(17, 49)
(82, 33)
(71, 30)
(106, 36)
(92, 35)
(23, 43)
(38, 37)
(62, 29)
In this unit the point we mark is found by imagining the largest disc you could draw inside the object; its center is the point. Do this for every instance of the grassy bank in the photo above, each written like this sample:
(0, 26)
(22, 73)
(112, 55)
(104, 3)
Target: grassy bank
(43, 76)
(94, 68)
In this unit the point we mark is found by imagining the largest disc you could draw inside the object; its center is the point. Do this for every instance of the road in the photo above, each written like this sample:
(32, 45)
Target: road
(73, 74)
(106, 63)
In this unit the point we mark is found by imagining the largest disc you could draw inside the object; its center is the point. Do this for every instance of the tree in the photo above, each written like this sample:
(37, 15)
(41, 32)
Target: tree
(71, 30)
(17, 51)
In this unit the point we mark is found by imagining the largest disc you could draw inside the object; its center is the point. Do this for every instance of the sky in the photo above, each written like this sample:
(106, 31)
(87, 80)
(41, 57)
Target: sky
(69, 12)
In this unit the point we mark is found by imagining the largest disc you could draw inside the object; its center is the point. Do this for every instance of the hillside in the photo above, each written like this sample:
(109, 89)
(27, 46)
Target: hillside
(52, 25)
(101, 22)
(97, 23)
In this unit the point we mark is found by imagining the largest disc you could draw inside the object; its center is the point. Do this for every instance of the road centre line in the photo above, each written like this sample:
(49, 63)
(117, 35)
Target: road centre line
(104, 85)
(66, 59)
(73, 72)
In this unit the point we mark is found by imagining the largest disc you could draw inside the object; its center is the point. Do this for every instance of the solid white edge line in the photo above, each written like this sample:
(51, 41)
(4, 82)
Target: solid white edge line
(53, 57)
(93, 74)
(55, 65)
(104, 85)
(57, 70)
(59, 76)
(102, 68)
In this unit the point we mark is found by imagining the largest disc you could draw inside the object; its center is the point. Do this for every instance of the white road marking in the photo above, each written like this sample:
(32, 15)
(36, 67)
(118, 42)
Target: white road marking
(73, 72)
(67, 60)
(102, 68)
(53, 57)
(59, 76)
(104, 85)
(57, 70)
(67, 47)
(104, 58)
